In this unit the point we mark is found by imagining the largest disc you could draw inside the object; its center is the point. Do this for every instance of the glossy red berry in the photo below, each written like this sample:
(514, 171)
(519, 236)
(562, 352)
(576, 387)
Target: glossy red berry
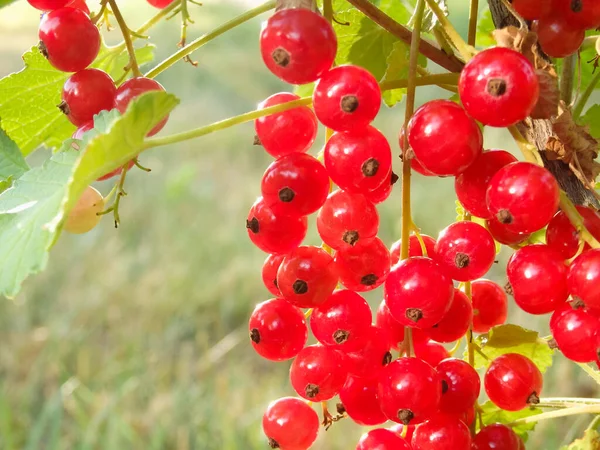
(69, 39)
(455, 322)
(409, 391)
(414, 247)
(576, 332)
(442, 432)
(418, 292)
(513, 381)
(298, 45)
(342, 320)
(466, 250)
(269, 273)
(439, 151)
(431, 352)
(117, 171)
(393, 328)
(290, 131)
(383, 192)
(296, 184)
(499, 87)
(307, 277)
(532, 9)
(346, 219)
(86, 94)
(584, 279)
(472, 184)
(382, 439)
(48, 5)
(79, 4)
(502, 234)
(318, 373)
(132, 89)
(160, 4)
(359, 160)
(360, 399)
(562, 236)
(289, 423)
(372, 353)
(557, 37)
(538, 279)
(277, 330)
(346, 98)
(496, 437)
(523, 196)
(460, 386)
(490, 305)
(274, 233)
(364, 266)
(583, 14)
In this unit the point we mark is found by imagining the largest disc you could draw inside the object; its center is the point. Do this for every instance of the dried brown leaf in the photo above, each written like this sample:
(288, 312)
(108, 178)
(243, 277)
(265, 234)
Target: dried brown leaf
(547, 105)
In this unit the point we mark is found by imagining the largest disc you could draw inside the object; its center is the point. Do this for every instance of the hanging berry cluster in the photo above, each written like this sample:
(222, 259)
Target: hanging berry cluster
(432, 396)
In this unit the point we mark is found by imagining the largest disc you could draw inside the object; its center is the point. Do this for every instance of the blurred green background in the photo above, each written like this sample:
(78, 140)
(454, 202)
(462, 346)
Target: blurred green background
(136, 338)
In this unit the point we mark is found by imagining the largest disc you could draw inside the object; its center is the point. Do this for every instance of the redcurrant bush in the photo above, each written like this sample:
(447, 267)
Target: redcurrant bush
(289, 423)
(393, 328)
(502, 234)
(84, 215)
(372, 353)
(584, 14)
(490, 305)
(86, 94)
(532, 9)
(48, 5)
(160, 4)
(431, 352)
(382, 439)
(557, 37)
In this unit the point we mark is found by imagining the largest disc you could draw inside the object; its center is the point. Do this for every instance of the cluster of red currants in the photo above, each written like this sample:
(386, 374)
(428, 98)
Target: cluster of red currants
(561, 24)
(71, 41)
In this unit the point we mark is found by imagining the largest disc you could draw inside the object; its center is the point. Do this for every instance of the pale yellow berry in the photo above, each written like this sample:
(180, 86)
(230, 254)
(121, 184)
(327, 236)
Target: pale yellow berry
(84, 216)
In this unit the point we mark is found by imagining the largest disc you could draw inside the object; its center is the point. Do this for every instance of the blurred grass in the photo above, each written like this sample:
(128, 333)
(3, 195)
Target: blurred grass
(136, 338)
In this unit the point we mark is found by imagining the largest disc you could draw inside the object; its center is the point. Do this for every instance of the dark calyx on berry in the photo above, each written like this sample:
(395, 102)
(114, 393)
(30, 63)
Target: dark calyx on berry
(349, 103)
(312, 390)
(64, 107)
(341, 336)
(461, 260)
(275, 282)
(387, 358)
(255, 336)
(300, 287)
(533, 399)
(405, 416)
(577, 303)
(414, 314)
(444, 386)
(504, 216)
(508, 289)
(286, 195)
(370, 167)
(394, 179)
(281, 57)
(43, 49)
(576, 6)
(496, 87)
(256, 140)
(273, 443)
(340, 408)
(252, 225)
(350, 237)
(369, 280)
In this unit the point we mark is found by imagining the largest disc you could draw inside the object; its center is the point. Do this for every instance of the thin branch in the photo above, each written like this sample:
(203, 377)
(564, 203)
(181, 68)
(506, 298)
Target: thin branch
(465, 50)
(135, 69)
(473, 16)
(589, 409)
(567, 78)
(580, 105)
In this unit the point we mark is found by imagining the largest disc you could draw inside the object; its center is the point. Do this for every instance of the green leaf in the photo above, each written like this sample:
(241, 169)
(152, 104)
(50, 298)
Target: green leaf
(591, 118)
(304, 90)
(4, 3)
(429, 18)
(28, 98)
(485, 27)
(32, 212)
(505, 339)
(492, 414)
(589, 441)
(397, 68)
(12, 163)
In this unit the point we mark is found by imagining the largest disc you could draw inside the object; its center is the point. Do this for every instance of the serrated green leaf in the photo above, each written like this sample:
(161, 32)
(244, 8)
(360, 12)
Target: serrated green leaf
(589, 441)
(28, 98)
(397, 68)
(33, 210)
(485, 27)
(510, 338)
(492, 414)
(12, 163)
(591, 118)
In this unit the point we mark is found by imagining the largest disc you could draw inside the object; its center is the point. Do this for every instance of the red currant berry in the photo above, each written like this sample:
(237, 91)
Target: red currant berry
(86, 94)
(440, 432)
(523, 196)
(132, 89)
(557, 37)
(438, 151)
(364, 266)
(383, 192)
(298, 45)
(361, 402)
(579, 13)
(346, 219)
(79, 4)
(499, 87)
(269, 273)
(274, 233)
(532, 9)
(48, 5)
(79, 132)
(472, 184)
(431, 352)
(160, 4)
(502, 234)
(307, 277)
(584, 278)
(562, 236)
(455, 322)
(372, 355)
(346, 98)
(490, 306)
(513, 381)
(318, 373)
(538, 279)
(576, 332)
(382, 439)
(496, 437)
(391, 326)
(414, 248)
(409, 391)
(359, 160)
(291, 131)
(466, 250)
(69, 40)
(277, 330)
(418, 292)
(289, 423)
(116, 172)
(460, 386)
(342, 320)
(296, 184)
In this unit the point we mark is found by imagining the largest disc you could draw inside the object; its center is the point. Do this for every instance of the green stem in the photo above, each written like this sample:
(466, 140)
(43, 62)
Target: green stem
(578, 109)
(588, 409)
(135, 69)
(591, 372)
(328, 10)
(567, 402)
(439, 79)
(473, 16)
(150, 23)
(567, 77)
(202, 40)
(466, 51)
(571, 212)
(595, 423)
